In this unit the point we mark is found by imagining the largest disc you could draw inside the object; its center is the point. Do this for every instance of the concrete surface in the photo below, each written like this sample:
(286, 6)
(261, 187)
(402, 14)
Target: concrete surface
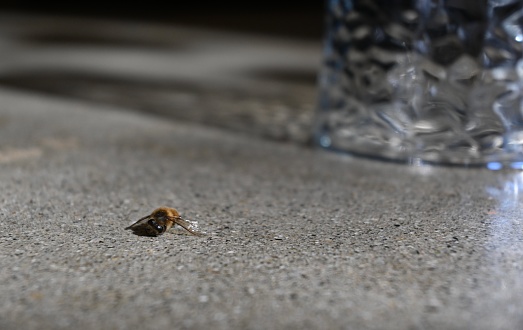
(297, 238)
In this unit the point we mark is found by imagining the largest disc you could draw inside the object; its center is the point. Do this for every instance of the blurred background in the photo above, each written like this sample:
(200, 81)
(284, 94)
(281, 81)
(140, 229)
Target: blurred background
(250, 67)
(302, 19)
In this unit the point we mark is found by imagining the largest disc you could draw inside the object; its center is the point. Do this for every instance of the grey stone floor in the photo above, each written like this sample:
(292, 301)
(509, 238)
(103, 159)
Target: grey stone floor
(297, 238)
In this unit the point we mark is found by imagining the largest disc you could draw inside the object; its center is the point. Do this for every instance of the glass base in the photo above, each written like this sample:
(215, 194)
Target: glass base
(405, 154)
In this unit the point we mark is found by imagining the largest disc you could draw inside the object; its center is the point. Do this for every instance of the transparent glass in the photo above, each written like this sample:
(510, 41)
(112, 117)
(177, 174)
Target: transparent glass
(435, 81)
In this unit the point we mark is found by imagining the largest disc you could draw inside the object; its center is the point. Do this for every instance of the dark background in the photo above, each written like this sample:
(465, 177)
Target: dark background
(297, 19)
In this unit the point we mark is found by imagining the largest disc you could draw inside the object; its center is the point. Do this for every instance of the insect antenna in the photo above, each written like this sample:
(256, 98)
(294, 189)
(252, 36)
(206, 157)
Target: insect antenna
(138, 221)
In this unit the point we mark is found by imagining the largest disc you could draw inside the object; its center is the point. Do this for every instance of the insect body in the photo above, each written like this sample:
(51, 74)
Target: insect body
(161, 220)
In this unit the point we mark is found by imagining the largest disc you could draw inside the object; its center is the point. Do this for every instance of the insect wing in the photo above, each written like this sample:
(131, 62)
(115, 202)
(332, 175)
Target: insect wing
(190, 226)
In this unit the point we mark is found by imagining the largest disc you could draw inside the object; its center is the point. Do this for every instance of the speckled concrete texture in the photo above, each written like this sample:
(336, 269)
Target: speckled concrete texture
(297, 238)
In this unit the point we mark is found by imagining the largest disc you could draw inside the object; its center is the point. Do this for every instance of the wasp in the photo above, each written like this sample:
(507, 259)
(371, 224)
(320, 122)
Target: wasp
(161, 220)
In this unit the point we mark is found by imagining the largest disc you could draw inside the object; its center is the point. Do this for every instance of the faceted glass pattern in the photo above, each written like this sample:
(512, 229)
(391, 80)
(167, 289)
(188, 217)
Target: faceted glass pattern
(428, 80)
